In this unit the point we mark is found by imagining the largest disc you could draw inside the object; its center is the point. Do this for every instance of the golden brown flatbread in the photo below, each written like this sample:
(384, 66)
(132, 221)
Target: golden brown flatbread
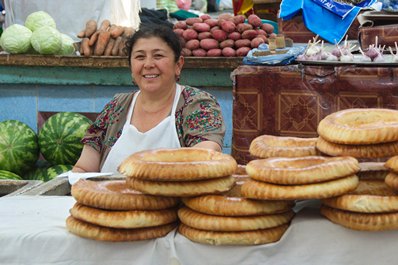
(91, 231)
(392, 180)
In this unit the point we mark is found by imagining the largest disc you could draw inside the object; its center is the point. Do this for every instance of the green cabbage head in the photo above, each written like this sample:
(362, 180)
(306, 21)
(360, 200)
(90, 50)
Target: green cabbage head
(67, 47)
(16, 39)
(39, 19)
(46, 40)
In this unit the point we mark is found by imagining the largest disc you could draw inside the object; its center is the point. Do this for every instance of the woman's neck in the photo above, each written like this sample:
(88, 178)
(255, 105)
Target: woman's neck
(152, 103)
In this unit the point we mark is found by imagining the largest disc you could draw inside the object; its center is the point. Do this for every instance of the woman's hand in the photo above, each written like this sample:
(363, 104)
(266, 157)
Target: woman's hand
(89, 161)
(208, 145)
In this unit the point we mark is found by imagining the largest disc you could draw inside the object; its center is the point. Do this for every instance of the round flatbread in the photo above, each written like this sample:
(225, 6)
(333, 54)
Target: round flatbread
(392, 180)
(91, 231)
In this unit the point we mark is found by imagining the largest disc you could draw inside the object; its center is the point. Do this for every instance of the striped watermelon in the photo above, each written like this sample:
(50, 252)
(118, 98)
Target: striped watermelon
(18, 146)
(38, 173)
(59, 138)
(54, 171)
(4, 174)
(46, 174)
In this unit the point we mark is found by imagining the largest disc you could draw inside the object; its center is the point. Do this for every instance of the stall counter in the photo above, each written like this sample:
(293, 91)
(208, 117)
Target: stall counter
(32, 231)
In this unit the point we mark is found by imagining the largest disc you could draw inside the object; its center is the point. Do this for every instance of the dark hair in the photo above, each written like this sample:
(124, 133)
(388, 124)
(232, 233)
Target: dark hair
(164, 32)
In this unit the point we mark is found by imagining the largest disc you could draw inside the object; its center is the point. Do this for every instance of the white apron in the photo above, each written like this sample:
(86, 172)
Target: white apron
(163, 135)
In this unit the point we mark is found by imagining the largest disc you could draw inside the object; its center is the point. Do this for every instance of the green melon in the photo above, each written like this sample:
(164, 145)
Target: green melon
(36, 174)
(59, 138)
(54, 171)
(19, 148)
(4, 174)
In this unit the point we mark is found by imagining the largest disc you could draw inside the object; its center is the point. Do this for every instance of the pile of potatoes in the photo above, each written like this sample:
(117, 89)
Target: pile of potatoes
(227, 35)
(103, 39)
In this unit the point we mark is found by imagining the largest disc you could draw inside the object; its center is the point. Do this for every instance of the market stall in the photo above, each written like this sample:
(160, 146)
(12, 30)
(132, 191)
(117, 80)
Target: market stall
(311, 239)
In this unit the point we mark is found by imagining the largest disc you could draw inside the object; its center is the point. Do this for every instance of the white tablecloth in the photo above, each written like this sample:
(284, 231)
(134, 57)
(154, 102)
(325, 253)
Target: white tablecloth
(32, 231)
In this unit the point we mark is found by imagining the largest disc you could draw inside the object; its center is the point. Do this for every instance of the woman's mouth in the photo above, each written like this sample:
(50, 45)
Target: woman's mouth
(150, 76)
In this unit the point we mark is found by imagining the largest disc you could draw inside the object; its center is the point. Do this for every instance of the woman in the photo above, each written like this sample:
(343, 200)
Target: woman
(162, 114)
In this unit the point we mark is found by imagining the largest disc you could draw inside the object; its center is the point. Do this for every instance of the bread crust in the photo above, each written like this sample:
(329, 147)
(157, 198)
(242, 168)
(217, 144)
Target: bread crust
(392, 180)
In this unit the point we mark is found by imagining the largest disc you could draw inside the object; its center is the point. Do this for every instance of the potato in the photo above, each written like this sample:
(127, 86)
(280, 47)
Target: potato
(178, 32)
(215, 28)
(227, 43)
(261, 32)
(239, 19)
(192, 20)
(226, 16)
(267, 28)
(180, 25)
(234, 35)
(186, 52)
(228, 52)
(208, 44)
(242, 51)
(192, 44)
(254, 20)
(228, 26)
(190, 34)
(249, 34)
(201, 27)
(205, 17)
(204, 35)
(243, 27)
(214, 53)
(211, 22)
(265, 39)
(256, 42)
(219, 34)
(182, 41)
(242, 43)
(272, 35)
(199, 53)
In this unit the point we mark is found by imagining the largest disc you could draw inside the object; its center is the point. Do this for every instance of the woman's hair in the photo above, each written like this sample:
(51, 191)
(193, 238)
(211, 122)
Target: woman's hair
(149, 30)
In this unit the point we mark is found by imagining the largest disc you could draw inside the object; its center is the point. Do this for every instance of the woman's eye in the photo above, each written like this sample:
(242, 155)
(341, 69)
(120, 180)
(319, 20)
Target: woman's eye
(158, 56)
(139, 57)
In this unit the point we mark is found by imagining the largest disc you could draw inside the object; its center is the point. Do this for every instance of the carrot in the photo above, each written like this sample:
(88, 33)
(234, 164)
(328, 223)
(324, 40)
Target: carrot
(115, 49)
(128, 32)
(109, 47)
(91, 27)
(87, 50)
(103, 39)
(121, 47)
(116, 31)
(93, 38)
(81, 34)
(105, 25)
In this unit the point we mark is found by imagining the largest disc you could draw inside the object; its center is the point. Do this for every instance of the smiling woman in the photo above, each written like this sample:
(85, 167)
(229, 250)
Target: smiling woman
(161, 114)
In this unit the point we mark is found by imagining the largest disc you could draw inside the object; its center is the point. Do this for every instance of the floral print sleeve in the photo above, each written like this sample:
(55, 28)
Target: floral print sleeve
(199, 118)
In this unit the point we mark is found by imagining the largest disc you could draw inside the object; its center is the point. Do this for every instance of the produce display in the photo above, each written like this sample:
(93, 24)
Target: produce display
(227, 35)
(105, 39)
(4, 174)
(59, 138)
(38, 35)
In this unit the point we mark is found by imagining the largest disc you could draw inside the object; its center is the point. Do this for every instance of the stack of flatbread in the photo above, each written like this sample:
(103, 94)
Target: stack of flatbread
(111, 211)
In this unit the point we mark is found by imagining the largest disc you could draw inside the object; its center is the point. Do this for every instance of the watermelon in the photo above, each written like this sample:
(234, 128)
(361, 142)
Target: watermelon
(19, 148)
(4, 174)
(59, 138)
(36, 174)
(54, 171)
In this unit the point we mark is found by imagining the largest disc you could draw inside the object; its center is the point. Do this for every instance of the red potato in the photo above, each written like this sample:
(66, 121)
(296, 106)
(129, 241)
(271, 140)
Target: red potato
(242, 43)
(190, 34)
(228, 52)
(214, 53)
(254, 20)
(209, 44)
(226, 16)
(249, 34)
(242, 51)
(227, 43)
(201, 27)
(180, 25)
(267, 28)
(219, 35)
(192, 20)
(234, 36)
(199, 53)
(186, 52)
(265, 39)
(182, 41)
(211, 22)
(243, 27)
(178, 32)
(205, 17)
(239, 19)
(204, 35)
(256, 42)
(228, 26)
(272, 35)
(261, 32)
(192, 44)
(214, 28)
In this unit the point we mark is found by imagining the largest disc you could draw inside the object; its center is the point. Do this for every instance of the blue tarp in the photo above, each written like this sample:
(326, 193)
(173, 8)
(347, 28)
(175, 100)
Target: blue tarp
(275, 59)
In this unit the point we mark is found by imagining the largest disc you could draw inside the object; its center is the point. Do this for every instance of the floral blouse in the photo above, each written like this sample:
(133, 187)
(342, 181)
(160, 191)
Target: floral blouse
(198, 118)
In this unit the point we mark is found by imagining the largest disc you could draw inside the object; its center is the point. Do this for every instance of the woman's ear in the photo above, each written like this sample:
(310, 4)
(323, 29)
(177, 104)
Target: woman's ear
(180, 64)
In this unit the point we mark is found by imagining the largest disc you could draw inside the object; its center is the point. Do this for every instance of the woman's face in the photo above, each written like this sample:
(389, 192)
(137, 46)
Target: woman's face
(153, 66)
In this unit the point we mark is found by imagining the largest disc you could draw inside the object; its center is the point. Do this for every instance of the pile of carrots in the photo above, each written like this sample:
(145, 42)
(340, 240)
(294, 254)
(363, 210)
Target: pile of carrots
(106, 40)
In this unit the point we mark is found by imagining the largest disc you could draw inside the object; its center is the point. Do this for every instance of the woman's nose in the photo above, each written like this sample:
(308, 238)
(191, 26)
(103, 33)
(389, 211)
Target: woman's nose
(149, 62)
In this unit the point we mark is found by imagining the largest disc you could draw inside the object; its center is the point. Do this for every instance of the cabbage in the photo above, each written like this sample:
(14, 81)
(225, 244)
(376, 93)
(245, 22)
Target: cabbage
(67, 47)
(46, 40)
(16, 39)
(39, 19)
